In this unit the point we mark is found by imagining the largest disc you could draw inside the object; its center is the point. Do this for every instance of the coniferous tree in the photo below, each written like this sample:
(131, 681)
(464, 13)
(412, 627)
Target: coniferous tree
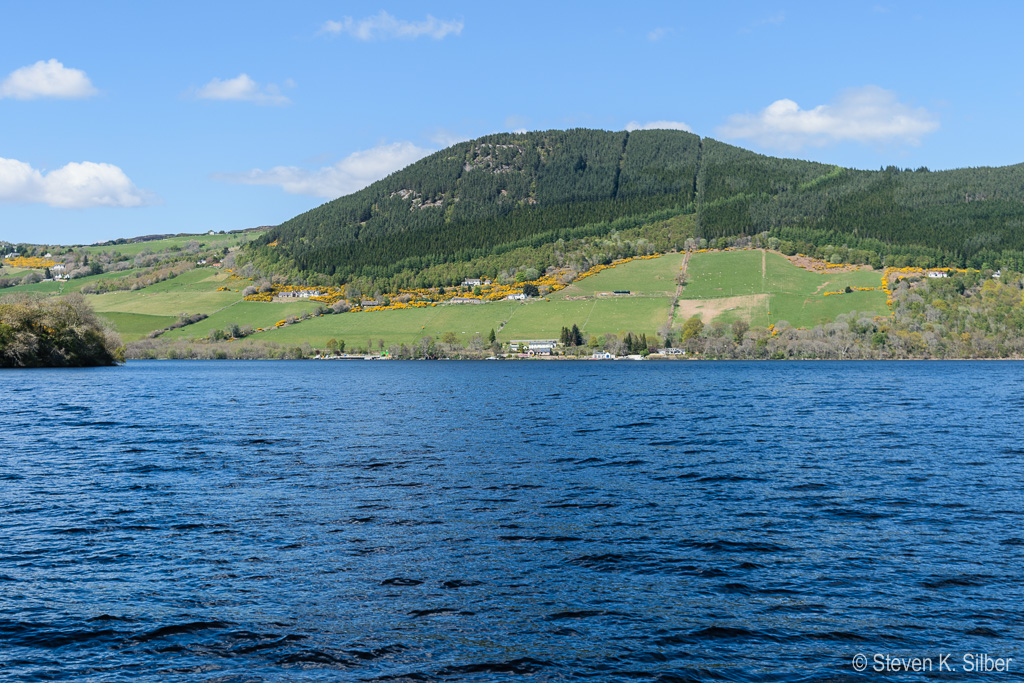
(577, 336)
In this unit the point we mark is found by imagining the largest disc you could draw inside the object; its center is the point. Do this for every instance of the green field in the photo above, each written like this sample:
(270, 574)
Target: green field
(255, 314)
(726, 286)
(538, 319)
(721, 286)
(646, 277)
(134, 326)
(136, 314)
(173, 302)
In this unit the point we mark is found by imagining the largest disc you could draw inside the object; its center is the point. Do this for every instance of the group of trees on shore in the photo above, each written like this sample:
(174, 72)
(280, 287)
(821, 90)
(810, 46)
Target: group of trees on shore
(54, 332)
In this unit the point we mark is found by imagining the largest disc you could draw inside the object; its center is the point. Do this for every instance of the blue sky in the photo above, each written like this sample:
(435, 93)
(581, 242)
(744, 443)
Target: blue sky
(123, 119)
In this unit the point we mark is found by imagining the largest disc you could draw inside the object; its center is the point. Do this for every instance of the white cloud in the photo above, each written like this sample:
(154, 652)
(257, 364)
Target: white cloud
(74, 186)
(47, 79)
(242, 89)
(658, 125)
(352, 173)
(868, 115)
(659, 33)
(383, 25)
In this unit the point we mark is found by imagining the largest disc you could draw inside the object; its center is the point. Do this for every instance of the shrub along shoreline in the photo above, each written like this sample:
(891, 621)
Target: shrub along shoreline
(46, 332)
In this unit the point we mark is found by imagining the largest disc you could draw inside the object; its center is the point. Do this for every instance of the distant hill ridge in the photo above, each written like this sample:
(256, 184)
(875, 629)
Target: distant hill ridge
(511, 190)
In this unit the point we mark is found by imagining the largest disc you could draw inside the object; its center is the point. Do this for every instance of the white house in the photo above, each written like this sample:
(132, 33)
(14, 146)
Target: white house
(534, 346)
(937, 273)
(602, 355)
(518, 296)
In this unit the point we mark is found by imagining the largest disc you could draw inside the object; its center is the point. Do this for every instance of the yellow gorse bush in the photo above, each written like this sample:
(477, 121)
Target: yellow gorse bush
(30, 262)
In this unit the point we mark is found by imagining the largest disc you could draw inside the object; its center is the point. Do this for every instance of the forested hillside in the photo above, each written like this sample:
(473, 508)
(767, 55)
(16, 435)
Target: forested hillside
(478, 200)
(965, 217)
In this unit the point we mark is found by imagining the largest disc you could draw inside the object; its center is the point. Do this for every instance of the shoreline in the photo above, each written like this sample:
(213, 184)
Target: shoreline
(669, 359)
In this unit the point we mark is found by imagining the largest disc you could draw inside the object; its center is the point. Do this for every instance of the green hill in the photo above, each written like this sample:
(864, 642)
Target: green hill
(487, 197)
(478, 201)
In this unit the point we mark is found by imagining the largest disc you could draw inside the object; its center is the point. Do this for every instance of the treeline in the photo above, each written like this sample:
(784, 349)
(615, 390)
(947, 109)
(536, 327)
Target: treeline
(54, 332)
(148, 349)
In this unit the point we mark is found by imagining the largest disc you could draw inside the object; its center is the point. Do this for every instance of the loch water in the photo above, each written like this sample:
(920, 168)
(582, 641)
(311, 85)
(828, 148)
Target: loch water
(492, 521)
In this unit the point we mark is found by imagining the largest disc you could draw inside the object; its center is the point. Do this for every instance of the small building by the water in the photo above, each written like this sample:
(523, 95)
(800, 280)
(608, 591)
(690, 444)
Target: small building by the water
(534, 345)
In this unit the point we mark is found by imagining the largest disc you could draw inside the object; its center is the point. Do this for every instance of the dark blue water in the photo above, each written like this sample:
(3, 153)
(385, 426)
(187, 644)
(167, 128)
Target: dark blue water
(239, 521)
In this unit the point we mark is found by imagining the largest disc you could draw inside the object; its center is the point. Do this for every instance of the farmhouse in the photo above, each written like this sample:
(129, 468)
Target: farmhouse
(464, 300)
(534, 347)
(518, 296)
(937, 273)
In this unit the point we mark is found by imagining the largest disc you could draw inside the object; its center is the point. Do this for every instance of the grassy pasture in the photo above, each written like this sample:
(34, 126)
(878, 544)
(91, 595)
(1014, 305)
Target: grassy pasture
(647, 277)
(133, 326)
(397, 327)
(255, 314)
(771, 291)
(538, 319)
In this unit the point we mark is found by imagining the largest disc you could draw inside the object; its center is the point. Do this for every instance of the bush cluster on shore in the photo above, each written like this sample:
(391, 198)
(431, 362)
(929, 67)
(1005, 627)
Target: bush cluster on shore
(54, 332)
